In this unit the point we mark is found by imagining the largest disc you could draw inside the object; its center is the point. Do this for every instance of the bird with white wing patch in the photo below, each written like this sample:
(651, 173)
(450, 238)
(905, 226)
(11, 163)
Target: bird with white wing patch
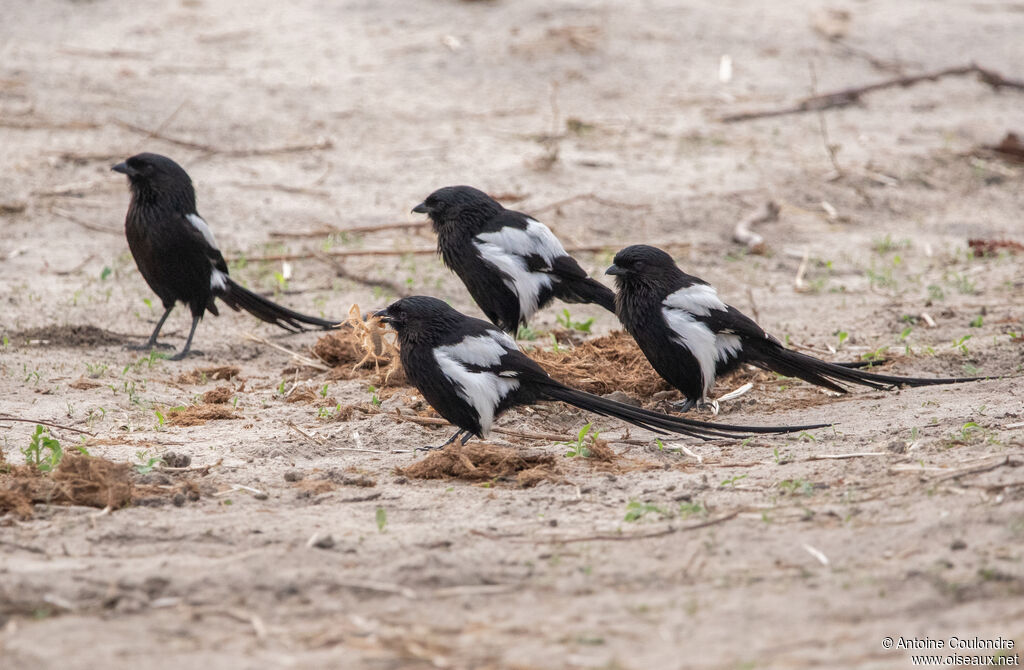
(512, 264)
(471, 372)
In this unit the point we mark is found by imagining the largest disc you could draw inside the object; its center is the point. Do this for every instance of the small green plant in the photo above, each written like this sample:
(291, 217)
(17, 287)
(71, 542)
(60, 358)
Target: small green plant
(637, 510)
(106, 272)
(6, 341)
(374, 399)
(160, 419)
(977, 321)
(146, 463)
(565, 320)
(688, 509)
(526, 333)
(43, 451)
(579, 447)
(323, 390)
(796, 486)
(731, 482)
(843, 336)
(961, 344)
(905, 333)
(555, 347)
(382, 519)
(281, 388)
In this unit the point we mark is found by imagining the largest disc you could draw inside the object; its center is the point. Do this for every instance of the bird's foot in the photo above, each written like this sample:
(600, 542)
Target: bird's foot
(684, 405)
(183, 354)
(710, 405)
(148, 346)
(431, 447)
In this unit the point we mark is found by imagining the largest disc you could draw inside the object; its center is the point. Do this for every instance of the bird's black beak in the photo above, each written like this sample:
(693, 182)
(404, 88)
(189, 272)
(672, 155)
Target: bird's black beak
(383, 315)
(420, 208)
(615, 270)
(122, 168)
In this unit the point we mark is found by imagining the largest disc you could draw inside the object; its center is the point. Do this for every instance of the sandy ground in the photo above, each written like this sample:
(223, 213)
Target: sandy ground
(292, 117)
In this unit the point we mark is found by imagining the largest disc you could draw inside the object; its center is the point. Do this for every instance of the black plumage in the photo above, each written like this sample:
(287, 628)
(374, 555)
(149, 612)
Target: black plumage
(690, 336)
(177, 255)
(471, 372)
(511, 263)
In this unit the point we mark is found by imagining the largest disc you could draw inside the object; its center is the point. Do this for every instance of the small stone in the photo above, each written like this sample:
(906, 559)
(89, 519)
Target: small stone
(619, 396)
(173, 459)
(897, 446)
(178, 499)
(325, 542)
(958, 545)
(262, 495)
(292, 476)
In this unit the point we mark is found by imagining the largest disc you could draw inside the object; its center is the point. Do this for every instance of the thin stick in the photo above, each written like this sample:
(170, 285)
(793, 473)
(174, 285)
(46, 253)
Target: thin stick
(7, 417)
(236, 153)
(414, 251)
(588, 196)
(971, 471)
(64, 214)
(340, 271)
(848, 96)
(639, 536)
(159, 129)
(309, 436)
(743, 232)
(826, 457)
(356, 230)
(308, 362)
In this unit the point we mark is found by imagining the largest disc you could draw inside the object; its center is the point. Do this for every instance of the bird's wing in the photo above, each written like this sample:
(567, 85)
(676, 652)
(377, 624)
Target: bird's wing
(202, 235)
(478, 365)
(516, 234)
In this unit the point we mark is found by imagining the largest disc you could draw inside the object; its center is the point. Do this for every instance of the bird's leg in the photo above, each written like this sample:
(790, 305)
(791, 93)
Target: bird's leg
(151, 342)
(466, 438)
(709, 404)
(684, 405)
(447, 442)
(188, 343)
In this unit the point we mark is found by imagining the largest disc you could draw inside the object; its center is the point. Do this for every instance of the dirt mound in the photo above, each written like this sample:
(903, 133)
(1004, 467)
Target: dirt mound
(483, 462)
(197, 415)
(69, 336)
(602, 365)
(218, 396)
(78, 480)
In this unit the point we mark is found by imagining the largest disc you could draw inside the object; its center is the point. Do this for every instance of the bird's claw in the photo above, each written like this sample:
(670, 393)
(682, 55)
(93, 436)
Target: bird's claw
(683, 405)
(429, 447)
(182, 354)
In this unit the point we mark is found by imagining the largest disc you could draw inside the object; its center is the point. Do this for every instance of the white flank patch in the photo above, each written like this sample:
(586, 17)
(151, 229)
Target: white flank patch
(218, 280)
(698, 299)
(729, 345)
(536, 239)
(479, 350)
(525, 284)
(697, 338)
(484, 389)
(201, 226)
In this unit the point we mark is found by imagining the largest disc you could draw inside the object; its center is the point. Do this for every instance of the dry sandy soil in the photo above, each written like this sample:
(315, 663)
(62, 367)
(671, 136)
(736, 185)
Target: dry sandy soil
(603, 119)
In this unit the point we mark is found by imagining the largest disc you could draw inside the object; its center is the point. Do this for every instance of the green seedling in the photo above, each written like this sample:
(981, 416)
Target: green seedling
(382, 519)
(579, 448)
(374, 399)
(977, 321)
(323, 391)
(688, 509)
(961, 344)
(565, 320)
(843, 336)
(146, 463)
(43, 452)
(732, 481)
(638, 510)
(526, 333)
(281, 387)
(106, 272)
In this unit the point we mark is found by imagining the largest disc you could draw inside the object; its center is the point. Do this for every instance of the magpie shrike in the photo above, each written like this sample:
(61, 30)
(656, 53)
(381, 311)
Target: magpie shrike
(177, 255)
(471, 372)
(690, 336)
(511, 263)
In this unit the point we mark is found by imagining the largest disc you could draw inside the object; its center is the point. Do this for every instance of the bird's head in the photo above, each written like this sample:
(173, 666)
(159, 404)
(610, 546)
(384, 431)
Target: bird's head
(642, 264)
(418, 315)
(457, 205)
(150, 174)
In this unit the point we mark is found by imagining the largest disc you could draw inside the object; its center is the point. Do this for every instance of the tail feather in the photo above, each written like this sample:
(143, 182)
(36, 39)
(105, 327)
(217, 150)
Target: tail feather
(236, 297)
(657, 422)
(833, 375)
(588, 290)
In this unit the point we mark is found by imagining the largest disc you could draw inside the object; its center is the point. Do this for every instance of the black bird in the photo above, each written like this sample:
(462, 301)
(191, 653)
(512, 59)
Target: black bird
(177, 255)
(471, 372)
(511, 263)
(690, 336)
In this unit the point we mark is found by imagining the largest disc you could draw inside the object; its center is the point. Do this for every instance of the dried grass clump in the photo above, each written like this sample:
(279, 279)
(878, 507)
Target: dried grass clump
(603, 365)
(197, 415)
(218, 396)
(363, 349)
(78, 480)
(484, 462)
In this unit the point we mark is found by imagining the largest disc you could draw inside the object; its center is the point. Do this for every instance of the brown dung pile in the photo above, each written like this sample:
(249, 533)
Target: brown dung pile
(603, 365)
(78, 480)
(484, 462)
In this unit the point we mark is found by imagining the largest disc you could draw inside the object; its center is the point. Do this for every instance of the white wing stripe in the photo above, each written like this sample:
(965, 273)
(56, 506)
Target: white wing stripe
(525, 284)
(698, 299)
(201, 226)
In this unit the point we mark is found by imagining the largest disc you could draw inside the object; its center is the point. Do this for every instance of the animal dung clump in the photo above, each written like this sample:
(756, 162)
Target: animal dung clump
(79, 480)
(603, 365)
(484, 462)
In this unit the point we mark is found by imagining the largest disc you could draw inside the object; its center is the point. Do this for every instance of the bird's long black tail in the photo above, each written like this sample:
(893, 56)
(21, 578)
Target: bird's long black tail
(587, 290)
(657, 421)
(832, 375)
(236, 297)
